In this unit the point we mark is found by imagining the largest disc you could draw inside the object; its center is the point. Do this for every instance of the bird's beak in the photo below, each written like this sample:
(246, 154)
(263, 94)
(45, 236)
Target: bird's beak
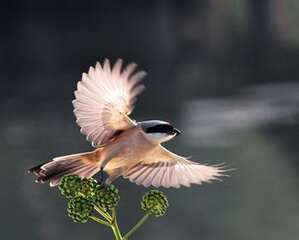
(177, 131)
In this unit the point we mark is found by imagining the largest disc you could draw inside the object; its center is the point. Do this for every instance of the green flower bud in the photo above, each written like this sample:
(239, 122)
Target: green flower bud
(79, 209)
(106, 197)
(70, 185)
(88, 187)
(73, 185)
(155, 202)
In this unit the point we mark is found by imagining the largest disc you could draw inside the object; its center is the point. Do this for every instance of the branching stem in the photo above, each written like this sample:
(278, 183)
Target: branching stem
(111, 222)
(138, 225)
(94, 218)
(115, 227)
(103, 213)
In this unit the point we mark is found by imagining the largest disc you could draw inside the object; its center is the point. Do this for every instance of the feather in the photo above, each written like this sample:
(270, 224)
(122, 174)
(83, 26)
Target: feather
(166, 169)
(104, 98)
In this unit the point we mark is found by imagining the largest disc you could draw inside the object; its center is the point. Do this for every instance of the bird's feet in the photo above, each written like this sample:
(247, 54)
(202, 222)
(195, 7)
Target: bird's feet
(102, 177)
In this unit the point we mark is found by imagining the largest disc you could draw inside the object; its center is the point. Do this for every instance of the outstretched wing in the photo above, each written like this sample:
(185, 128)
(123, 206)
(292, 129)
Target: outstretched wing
(105, 97)
(166, 169)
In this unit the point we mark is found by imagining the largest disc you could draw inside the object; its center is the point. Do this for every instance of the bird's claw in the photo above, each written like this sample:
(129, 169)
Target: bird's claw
(102, 180)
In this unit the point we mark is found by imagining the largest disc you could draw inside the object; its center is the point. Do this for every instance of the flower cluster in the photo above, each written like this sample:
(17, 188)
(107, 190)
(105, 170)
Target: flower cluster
(107, 197)
(155, 202)
(85, 194)
(70, 185)
(79, 209)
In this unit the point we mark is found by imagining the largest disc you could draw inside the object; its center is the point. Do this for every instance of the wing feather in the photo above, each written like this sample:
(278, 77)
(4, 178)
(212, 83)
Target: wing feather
(104, 98)
(143, 174)
(159, 175)
(165, 176)
(166, 169)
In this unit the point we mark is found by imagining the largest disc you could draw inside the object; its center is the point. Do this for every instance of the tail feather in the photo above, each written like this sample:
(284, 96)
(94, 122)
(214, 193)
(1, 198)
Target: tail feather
(72, 164)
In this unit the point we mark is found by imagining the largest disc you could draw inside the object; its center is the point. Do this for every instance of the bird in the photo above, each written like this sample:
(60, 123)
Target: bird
(104, 99)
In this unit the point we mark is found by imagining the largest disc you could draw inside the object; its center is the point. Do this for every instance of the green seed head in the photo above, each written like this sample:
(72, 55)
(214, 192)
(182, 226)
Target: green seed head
(106, 197)
(155, 202)
(79, 209)
(88, 187)
(70, 185)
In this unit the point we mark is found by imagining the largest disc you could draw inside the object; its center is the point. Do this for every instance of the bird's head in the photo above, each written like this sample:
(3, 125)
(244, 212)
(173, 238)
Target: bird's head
(158, 131)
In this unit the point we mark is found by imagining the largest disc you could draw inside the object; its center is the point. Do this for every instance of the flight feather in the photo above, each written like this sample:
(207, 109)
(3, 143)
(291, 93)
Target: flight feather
(104, 98)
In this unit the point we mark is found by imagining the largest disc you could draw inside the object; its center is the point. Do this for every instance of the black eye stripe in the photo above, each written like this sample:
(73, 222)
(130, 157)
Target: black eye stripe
(161, 128)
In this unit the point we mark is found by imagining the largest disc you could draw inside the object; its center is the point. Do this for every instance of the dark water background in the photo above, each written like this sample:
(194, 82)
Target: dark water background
(224, 72)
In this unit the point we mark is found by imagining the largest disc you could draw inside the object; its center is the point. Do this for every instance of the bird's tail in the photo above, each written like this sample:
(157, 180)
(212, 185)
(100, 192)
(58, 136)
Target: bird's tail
(81, 164)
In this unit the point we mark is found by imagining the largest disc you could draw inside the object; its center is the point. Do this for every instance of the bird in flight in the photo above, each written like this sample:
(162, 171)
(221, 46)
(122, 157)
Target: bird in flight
(104, 99)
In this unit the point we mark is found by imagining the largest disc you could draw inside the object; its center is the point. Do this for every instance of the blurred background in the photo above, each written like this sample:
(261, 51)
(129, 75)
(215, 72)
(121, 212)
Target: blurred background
(224, 72)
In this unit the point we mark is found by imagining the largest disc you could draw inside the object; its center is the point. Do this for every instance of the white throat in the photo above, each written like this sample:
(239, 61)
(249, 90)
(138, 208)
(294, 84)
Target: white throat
(159, 137)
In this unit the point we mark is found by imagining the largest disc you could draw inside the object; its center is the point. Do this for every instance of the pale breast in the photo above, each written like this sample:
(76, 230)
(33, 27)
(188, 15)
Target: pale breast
(128, 149)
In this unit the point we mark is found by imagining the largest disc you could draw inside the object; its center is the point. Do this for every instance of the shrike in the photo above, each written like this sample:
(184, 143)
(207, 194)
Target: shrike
(104, 99)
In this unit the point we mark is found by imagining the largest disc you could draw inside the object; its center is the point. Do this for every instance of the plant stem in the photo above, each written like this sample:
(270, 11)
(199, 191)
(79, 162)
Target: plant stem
(115, 227)
(138, 224)
(112, 223)
(103, 213)
(116, 233)
(100, 221)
